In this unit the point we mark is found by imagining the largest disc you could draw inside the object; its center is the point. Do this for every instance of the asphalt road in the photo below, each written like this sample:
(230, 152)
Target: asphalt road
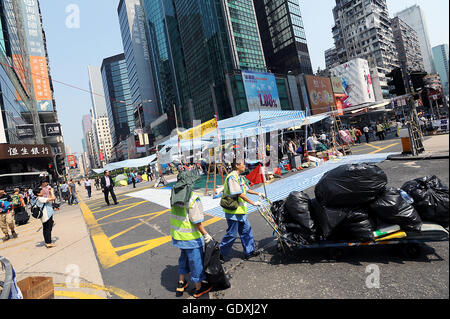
(136, 255)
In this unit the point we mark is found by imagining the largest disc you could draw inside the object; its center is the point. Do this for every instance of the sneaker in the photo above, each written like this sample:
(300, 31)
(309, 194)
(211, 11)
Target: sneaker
(205, 288)
(50, 245)
(14, 234)
(252, 254)
(6, 238)
(180, 288)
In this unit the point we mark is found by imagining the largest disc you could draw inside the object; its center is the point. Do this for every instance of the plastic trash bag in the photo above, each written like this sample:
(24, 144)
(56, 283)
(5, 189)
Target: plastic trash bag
(357, 226)
(297, 206)
(431, 199)
(215, 274)
(352, 184)
(326, 219)
(393, 207)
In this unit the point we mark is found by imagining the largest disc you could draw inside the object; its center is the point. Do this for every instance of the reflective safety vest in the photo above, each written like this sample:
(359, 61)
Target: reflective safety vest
(181, 227)
(242, 210)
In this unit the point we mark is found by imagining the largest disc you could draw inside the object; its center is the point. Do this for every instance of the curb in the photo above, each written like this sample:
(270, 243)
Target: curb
(416, 158)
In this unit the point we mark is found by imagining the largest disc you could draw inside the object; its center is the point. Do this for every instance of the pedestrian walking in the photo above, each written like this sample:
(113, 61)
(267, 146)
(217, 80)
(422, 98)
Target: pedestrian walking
(188, 233)
(73, 193)
(88, 185)
(380, 131)
(237, 219)
(97, 183)
(18, 203)
(107, 185)
(291, 152)
(133, 178)
(44, 203)
(65, 191)
(6, 216)
(367, 134)
(358, 135)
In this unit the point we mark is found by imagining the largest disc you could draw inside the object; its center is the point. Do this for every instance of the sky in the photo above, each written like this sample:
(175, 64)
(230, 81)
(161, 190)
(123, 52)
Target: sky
(84, 32)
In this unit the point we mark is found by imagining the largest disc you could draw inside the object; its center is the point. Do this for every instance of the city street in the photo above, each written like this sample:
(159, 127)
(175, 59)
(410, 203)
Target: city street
(135, 252)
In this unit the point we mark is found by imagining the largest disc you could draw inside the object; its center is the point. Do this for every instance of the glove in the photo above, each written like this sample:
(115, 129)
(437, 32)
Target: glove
(258, 203)
(207, 237)
(262, 195)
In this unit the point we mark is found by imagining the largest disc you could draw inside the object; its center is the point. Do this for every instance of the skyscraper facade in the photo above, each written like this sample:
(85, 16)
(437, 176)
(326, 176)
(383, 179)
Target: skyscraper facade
(363, 30)
(118, 97)
(283, 36)
(415, 18)
(441, 57)
(408, 46)
(137, 57)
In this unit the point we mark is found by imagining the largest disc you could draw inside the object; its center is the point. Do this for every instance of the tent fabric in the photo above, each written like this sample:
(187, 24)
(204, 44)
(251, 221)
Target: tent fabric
(247, 125)
(132, 163)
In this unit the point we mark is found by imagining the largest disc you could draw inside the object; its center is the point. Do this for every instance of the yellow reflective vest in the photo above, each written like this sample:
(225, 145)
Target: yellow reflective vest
(242, 210)
(181, 227)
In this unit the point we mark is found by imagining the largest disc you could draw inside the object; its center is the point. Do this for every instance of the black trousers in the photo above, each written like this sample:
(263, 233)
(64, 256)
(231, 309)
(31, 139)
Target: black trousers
(88, 188)
(47, 229)
(106, 192)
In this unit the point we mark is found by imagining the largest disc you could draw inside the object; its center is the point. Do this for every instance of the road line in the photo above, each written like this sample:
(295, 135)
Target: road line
(122, 210)
(117, 291)
(382, 149)
(111, 208)
(75, 295)
(157, 214)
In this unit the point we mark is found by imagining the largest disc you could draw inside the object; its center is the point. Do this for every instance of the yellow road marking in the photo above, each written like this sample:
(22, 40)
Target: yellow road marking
(96, 206)
(373, 146)
(76, 295)
(126, 219)
(157, 214)
(384, 148)
(110, 208)
(115, 213)
(117, 291)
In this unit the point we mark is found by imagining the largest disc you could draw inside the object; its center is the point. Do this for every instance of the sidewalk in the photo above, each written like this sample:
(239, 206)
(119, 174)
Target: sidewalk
(73, 260)
(436, 147)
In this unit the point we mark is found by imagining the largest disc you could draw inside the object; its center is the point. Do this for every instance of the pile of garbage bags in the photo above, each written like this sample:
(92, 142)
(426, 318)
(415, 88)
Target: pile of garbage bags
(353, 201)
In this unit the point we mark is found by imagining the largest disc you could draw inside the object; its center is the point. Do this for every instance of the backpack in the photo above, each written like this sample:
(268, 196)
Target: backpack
(36, 211)
(5, 206)
(16, 200)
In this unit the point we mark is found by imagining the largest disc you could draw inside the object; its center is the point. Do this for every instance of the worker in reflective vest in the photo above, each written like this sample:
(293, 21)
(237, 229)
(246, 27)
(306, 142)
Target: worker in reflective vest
(189, 235)
(237, 220)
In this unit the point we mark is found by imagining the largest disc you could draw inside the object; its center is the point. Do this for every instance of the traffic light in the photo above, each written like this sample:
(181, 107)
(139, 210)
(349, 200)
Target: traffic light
(60, 163)
(397, 84)
(417, 79)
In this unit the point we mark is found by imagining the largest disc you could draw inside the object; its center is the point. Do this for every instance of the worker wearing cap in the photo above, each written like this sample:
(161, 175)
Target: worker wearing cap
(237, 220)
(188, 233)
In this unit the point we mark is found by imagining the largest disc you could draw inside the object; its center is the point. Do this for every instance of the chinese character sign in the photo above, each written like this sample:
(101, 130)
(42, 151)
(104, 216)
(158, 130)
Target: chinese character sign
(261, 91)
(25, 151)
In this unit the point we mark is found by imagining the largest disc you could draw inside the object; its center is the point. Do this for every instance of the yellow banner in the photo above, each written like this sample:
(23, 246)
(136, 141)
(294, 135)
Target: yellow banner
(198, 131)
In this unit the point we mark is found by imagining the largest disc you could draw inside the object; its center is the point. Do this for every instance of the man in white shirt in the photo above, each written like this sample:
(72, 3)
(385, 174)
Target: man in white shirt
(88, 185)
(367, 134)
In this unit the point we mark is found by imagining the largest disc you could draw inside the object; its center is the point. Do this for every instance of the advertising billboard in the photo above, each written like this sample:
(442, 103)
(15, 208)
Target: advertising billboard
(261, 91)
(71, 161)
(356, 82)
(38, 59)
(320, 94)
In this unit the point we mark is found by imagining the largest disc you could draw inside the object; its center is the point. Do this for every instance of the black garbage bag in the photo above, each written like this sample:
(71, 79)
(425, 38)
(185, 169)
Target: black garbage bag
(277, 211)
(357, 226)
(352, 184)
(215, 274)
(431, 199)
(393, 208)
(297, 207)
(326, 219)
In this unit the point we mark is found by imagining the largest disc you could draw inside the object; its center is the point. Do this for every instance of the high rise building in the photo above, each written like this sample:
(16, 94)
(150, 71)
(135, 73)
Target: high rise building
(101, 127)
(363, 30)
(283, 36)
(118, 97)
(441, 56)
(408, 46)
(137, 56)
(415, 18)
(168, 66)
(331, 58)
(97, 92)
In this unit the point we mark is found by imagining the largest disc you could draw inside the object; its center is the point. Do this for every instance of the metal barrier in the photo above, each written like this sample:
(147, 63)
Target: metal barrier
(6, 265)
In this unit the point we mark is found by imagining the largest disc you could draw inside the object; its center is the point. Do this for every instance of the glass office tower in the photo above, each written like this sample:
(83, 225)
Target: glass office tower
(118, 97)
(283, 36)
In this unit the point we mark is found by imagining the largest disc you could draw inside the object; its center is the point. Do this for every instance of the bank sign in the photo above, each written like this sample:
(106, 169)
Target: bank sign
(261, 91)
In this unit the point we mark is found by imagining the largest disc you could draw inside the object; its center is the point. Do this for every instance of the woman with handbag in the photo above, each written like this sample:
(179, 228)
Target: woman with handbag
(45, 204)
(233, 202)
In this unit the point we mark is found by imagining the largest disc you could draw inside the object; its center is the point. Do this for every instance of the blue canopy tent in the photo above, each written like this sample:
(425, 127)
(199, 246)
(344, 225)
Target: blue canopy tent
(133, 163)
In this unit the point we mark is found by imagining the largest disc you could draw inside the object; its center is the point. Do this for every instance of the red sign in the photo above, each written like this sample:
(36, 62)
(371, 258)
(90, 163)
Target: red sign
(72, 161)
(100, 152)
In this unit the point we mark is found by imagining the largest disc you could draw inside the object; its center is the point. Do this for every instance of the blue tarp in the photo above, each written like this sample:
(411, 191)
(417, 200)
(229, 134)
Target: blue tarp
(132, 163)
